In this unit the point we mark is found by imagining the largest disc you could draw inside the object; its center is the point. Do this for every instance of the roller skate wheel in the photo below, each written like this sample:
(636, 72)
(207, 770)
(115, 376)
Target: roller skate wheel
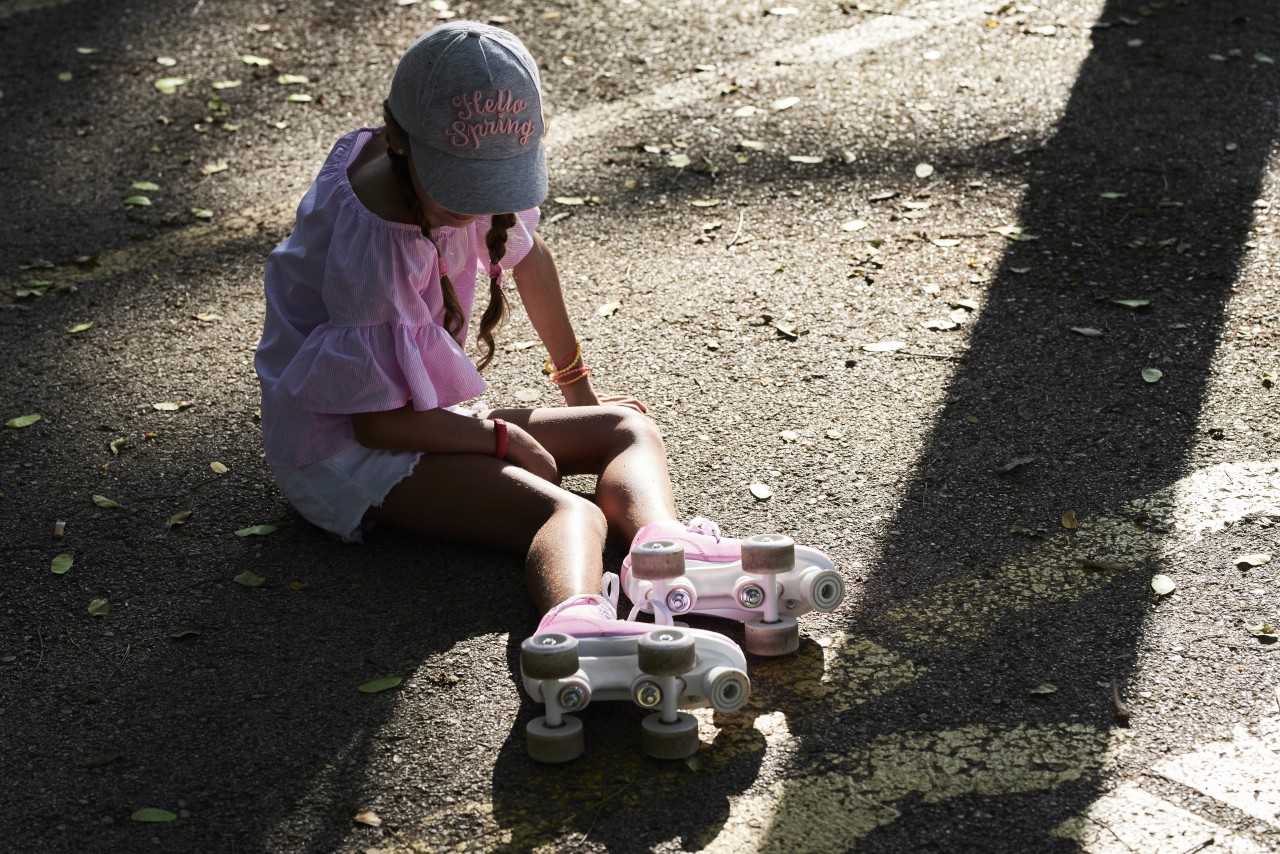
(728, 688)
(646, 692)
(675, 740)
(657, 560)
(749, 593)
(823, 589)
(681, 597)
(666, 652)
(554, 744)
(778, 638)
(768, 554)
(549, 656)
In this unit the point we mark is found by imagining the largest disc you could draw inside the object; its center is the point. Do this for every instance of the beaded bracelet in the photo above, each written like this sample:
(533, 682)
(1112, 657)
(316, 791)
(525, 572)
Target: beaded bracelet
(569, 377)
(551, 368)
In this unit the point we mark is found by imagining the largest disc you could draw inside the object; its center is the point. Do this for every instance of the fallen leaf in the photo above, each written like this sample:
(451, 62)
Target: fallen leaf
(939, 324)
(784, 103)
(179, 518)
(805, 158)
(249, 579)
(214, 168)
(377, 685)
(1015, 463)
(202, 213)
(1132, 303)
(257, 530)
(744, 112)
(1262, 630)
(705, 203)
(1112, 195)
(145, 186)
(1152, 375)
(883, 346)
(609, 309)
(137, 202)
(298, 98)
(80, 327)
(172, 405)
(257, 61)
(186, 632)
(1087, 331)
(292, 79)
(761, 491)
(23, 421)
(1015, 232)
(882, 196)
(1162, 584)
(1253, 560)
(225, 84)
(789, 436)
(368, 817)
(152, 815)
(60, 564)
(1044, 688)
(99, 607)
(787, 330)
(218, 468)
(923, 170)
(118, 445)
(1069, 520)
(679, 160)
(854, 225)
(207, 317)
(945, 241)
(169, 85)
(751, 145)
(104, 501)
(298, 585)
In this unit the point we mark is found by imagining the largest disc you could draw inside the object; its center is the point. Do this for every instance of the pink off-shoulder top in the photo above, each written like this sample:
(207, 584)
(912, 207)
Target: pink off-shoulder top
(354, 316)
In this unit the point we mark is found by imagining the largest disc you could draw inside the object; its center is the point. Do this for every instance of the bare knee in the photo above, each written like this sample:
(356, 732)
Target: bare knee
(635, 428)
(584, 515)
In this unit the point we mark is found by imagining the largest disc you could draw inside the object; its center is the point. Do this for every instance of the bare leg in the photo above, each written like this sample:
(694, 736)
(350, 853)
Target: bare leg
(484, 500)
(621, 447)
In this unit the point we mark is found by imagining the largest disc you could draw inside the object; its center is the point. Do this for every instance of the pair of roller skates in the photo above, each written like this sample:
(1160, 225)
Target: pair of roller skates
(582, 652)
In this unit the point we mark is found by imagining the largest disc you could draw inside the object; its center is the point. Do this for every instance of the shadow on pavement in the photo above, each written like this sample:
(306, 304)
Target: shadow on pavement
(953, 590)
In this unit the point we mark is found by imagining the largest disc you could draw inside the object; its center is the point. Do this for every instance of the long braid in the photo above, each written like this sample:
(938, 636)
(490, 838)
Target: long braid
(496, 241)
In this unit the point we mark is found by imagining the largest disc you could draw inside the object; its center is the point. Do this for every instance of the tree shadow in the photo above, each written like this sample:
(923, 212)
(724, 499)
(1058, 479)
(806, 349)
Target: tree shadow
(1146, 192)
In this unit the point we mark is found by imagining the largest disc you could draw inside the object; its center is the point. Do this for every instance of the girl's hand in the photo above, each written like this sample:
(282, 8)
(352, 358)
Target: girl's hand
(527, 452)
(624, 400)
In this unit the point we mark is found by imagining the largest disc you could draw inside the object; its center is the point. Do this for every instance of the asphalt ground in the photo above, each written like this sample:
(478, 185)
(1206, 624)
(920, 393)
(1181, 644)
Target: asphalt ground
(1002, 675)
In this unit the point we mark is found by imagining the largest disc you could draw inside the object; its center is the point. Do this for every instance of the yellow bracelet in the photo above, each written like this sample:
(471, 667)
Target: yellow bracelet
(550, 367)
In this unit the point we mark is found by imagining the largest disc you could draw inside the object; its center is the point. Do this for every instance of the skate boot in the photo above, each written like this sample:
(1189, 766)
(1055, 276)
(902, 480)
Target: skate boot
(582, 652)
(765, 581)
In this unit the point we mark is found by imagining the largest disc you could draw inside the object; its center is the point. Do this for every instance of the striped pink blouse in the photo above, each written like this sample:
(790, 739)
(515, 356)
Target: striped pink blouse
(354, 316)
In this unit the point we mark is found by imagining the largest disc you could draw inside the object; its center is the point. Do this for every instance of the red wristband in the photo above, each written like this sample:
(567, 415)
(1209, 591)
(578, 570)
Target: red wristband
(500, 430)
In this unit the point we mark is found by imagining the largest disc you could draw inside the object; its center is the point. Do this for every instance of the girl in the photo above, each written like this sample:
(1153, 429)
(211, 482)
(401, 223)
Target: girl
(362, 365)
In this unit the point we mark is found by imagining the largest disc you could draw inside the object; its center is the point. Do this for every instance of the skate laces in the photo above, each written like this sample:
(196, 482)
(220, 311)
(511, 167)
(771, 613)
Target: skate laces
(703, 525)
(606, 600)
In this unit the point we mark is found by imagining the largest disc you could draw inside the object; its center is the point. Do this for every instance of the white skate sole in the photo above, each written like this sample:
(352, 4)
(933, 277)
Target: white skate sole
(664, 669)
(771, 587)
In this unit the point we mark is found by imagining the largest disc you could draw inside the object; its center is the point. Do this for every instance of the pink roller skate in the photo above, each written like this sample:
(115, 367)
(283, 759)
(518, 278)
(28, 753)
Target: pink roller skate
(583, 652)
(765, 581)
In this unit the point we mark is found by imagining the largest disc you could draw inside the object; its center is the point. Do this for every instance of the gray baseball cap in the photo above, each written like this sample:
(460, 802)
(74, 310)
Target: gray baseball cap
(468, 96)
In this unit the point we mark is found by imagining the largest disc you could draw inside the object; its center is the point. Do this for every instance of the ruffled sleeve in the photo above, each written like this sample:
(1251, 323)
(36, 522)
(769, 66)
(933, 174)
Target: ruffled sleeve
(382, 344)
(343, 370)
(519, 240)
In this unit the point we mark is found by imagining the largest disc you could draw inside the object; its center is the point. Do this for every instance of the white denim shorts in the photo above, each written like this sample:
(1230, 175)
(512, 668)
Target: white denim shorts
(335, 493)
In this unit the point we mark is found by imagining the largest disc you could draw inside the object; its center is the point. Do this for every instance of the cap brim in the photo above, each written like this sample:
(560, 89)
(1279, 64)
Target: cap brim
(481, 187)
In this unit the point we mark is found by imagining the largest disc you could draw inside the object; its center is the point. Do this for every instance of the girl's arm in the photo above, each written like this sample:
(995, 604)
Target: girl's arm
(439, 431)
(539, 285)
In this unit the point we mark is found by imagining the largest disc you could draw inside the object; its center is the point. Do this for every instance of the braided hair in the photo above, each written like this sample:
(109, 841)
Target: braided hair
(495, 241)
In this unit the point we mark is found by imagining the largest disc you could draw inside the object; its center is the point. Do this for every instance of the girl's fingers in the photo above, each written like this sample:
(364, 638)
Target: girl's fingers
(623, 400)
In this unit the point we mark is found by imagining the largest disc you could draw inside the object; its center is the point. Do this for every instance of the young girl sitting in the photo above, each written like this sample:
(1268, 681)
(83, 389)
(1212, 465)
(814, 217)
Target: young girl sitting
(362, 365)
